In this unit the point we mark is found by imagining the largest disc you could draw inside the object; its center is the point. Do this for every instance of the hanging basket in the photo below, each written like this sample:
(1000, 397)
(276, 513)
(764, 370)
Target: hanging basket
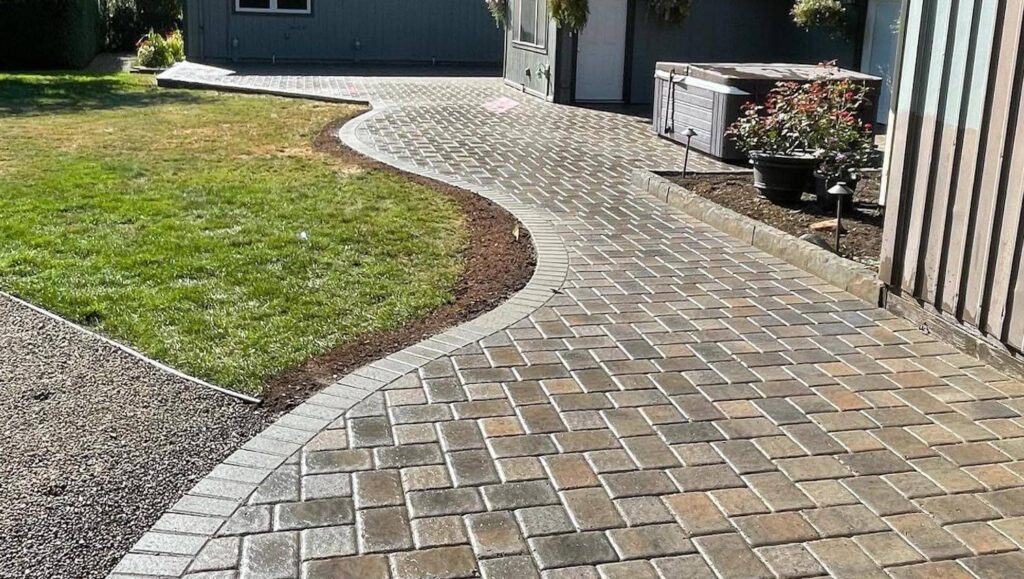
(499, 11)
(829, 15)
(571, 14)
(671, 11)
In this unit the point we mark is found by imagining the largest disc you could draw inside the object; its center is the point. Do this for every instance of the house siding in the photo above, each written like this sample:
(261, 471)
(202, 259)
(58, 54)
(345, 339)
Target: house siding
(523, 63)
(394, 31)
(728, 31)
(953, 240)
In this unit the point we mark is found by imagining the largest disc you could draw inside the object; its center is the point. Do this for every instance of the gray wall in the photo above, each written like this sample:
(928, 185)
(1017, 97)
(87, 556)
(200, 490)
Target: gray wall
(413, 31)
(724, 31)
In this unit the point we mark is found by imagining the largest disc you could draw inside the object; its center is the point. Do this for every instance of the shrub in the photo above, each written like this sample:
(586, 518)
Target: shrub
(157, 51)
(129, 20)
(176, 44)
(49, 33)
(124, 27)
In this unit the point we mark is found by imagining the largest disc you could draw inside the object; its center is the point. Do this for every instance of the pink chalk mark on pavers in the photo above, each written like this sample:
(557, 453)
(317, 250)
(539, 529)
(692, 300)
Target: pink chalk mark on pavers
(501, 105)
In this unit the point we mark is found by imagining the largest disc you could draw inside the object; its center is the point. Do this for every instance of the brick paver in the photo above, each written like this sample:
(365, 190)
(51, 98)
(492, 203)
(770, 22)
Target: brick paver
(681, 405)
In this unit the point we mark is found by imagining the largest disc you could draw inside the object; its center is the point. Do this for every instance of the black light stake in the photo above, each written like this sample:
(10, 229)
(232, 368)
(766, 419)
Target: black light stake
(840, 191)
(689, 133)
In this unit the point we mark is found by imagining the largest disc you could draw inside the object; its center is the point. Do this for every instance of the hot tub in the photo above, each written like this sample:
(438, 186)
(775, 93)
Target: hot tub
(709, 97)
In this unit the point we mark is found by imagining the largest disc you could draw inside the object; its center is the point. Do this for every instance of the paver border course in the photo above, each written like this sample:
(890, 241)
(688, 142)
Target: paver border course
(197, 516)
(855, 278)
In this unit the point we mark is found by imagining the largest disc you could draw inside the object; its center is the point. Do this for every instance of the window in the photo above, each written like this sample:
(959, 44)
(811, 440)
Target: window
(278, 6)
(531, 22)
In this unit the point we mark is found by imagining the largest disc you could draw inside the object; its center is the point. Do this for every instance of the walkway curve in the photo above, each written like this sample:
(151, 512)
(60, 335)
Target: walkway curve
(170, 548)
(674, 403)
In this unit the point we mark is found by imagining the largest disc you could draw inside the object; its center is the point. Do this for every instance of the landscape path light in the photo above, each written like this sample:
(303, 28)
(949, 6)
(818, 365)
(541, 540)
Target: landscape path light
(840, 192)
(689, 133)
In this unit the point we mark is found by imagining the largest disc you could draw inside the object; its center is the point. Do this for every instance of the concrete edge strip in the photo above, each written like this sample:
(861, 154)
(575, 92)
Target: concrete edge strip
(846, 274)
(171, 546)
(128, 349)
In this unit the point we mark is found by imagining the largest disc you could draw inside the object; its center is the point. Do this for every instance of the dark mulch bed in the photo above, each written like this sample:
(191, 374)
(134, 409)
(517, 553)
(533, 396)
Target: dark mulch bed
(863, 238)
(499, 262)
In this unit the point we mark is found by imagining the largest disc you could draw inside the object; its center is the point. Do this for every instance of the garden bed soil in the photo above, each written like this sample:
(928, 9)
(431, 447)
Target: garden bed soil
(499, 262)
(861, 242)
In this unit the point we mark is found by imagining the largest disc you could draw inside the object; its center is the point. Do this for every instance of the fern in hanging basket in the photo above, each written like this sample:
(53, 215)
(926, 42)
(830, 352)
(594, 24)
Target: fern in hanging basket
(571, 14)
(827, 14)
(498, 10)
(671, 11)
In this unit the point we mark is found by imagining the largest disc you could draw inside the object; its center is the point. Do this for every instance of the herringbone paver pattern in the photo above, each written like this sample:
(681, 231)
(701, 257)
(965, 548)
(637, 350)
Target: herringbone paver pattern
(683, 406)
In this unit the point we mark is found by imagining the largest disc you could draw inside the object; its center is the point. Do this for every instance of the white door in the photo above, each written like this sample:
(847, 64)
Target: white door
(601, 57)
(880, 48)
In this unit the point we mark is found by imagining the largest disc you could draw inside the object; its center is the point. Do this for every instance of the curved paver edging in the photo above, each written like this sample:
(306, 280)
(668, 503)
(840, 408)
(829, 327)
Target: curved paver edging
(171, 545)
(855, 278)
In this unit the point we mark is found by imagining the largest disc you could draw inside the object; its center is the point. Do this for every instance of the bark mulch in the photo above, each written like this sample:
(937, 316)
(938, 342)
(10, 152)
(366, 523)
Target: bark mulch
(862, 241)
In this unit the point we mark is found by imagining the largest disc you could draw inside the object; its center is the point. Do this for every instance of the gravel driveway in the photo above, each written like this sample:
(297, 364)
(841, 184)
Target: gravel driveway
(95, 445)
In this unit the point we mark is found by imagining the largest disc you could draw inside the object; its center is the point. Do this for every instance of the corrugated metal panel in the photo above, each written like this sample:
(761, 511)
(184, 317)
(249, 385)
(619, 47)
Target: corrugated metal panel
(445, 31)
(953, 238)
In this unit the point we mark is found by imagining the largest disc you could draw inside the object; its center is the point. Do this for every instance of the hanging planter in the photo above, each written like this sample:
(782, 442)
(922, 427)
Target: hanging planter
(829, 15)
(671, 11)
(571, 14)
(499, 11)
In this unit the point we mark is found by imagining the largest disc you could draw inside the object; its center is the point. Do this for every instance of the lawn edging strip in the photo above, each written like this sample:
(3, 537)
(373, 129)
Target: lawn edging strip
(855, 278)
(131, 351)
(198, 516)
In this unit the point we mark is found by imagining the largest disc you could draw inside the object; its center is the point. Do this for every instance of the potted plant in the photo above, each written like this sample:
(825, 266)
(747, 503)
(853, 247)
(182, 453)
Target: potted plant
(778, 137)
(845, 143)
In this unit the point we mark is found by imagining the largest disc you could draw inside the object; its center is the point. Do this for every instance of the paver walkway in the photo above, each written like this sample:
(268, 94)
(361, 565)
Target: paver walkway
(682, 406)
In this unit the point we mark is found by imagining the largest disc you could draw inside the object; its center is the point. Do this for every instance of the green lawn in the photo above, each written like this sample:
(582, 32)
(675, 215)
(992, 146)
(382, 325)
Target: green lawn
(172, 221)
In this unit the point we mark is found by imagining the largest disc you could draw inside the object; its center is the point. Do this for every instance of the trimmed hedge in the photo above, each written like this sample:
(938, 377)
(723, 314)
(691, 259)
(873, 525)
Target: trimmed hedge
(38, 34)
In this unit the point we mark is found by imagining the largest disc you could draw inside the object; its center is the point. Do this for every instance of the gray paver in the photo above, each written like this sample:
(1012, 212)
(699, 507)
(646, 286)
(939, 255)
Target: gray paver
(661, 399)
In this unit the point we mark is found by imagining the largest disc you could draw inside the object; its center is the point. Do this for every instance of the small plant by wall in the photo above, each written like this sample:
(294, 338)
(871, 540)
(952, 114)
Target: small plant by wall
(157, 51)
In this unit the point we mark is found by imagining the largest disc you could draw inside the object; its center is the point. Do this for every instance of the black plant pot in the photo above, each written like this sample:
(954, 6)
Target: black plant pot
(822, 184)
(782, 178)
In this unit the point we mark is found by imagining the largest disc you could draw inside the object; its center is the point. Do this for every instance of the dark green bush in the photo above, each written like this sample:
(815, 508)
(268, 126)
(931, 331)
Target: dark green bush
(38, 34)
(129, 20)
